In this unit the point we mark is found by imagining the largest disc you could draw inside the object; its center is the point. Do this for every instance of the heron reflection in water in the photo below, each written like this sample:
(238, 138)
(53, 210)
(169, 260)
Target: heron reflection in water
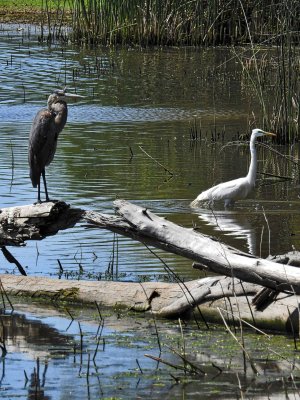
(238, 188)
(46, 126)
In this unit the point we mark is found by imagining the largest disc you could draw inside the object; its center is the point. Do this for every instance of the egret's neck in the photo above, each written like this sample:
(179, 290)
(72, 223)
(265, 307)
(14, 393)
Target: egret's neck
(253, 164)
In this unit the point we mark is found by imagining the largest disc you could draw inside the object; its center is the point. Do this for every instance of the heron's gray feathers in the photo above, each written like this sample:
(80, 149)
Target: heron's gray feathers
(42, 143)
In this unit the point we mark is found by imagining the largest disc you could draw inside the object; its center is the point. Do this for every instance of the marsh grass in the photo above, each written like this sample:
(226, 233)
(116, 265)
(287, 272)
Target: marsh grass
(173, 22)
(273, 74)
(271, 32)
(268, 31)
(272, 78)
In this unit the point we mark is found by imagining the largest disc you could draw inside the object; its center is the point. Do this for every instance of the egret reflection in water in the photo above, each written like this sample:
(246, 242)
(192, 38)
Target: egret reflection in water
(233, 224)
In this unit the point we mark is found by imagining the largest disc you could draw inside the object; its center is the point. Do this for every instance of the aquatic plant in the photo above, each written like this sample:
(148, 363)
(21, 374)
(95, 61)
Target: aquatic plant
(153, 22)
(272, 74)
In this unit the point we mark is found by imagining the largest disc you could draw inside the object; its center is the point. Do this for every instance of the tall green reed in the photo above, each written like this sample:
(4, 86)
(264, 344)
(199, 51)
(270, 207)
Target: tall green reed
(173, 22)
(274, 25)
(272, 73)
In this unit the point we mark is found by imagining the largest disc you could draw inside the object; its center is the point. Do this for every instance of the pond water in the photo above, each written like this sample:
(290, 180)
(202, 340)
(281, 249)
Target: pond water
(104, 356)
(134, 99)
(137, 98)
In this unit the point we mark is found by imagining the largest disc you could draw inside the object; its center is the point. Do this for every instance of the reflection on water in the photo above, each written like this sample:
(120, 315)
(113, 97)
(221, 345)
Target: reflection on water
(53, 356)
(235, 224)
(133, 98)
(255, 228)
(90, 113)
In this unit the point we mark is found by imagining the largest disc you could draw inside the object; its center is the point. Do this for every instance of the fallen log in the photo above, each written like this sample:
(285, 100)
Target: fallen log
(35, 222)
(210, 255)
(203, 299)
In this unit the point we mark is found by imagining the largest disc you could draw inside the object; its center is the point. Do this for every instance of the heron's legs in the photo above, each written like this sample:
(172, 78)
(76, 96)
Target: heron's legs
(45, 184)
(39, 193)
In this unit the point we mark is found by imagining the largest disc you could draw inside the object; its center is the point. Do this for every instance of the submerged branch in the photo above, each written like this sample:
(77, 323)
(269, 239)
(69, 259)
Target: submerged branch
(157, 162)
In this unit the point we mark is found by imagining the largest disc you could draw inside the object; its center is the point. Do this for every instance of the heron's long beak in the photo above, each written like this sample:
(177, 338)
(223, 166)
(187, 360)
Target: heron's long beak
(73, 96)
(64, 93)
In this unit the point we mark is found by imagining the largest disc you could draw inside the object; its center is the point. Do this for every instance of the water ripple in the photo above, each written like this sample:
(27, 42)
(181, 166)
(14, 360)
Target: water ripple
(95, 113)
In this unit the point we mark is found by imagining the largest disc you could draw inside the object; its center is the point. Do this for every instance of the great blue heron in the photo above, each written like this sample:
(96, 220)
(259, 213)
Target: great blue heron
(238, 188)
(46, 126)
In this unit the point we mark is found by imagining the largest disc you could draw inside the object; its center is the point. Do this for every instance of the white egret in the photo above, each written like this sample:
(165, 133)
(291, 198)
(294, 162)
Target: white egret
(238, 188)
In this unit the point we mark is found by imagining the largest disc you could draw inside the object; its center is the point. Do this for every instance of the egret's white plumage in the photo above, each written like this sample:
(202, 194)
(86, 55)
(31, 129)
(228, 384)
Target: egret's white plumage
(237, 188)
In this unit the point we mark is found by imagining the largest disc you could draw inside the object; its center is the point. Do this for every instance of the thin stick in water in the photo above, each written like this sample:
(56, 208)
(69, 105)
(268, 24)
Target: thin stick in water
(267, 222)
(157, 162)
(235, 338)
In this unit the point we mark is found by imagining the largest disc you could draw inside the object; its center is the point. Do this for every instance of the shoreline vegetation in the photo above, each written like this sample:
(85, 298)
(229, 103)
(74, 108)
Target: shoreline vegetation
(264, 38)
(156, 23)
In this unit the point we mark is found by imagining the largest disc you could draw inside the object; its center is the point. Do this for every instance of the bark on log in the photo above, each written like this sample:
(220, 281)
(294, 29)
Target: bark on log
(35, 221)
(208, 253)
(203, 296)
(23, 223)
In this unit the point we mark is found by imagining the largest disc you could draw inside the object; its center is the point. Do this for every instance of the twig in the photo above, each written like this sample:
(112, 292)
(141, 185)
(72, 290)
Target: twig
(261, 240)
(293, 365)
(235, 338)
(138, 364)
(26, 378)
(217, 367)
(293, 330)
(12, 166)
(286, 178)
(240, 386)
(267, 222)
(4, 294)
(181, 283)
(61, 270)
(176, 366)
(81, 337)
(96, 349)
(99, 312)
(157, 162)
(249, 305)
(182, 337)
(11, 259)
(88, 368)
(247, 323)
(288, 158)
(187, 362)
(153, 317)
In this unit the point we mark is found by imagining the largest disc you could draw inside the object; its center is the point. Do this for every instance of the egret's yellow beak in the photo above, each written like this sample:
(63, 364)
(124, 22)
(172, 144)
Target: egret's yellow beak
(270, 134)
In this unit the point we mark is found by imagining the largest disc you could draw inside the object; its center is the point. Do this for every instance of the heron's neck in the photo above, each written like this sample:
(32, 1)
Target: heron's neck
(253, 164)
(60, 110)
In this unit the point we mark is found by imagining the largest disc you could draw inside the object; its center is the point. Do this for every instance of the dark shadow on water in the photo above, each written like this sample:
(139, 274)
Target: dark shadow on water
(106, 358)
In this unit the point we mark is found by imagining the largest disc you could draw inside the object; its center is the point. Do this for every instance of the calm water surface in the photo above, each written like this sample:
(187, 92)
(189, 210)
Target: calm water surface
(133, 98)
(51, 356)
(136, 98)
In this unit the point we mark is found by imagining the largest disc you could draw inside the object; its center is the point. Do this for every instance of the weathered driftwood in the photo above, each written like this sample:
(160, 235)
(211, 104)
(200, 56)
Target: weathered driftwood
(165, 299)
(208, 253)
(37, 221)
(205, 298)
(19, 224)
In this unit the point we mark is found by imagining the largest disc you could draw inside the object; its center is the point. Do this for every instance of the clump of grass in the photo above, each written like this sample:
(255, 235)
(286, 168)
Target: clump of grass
(173, 22)
(156, 22)
(272, 74)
